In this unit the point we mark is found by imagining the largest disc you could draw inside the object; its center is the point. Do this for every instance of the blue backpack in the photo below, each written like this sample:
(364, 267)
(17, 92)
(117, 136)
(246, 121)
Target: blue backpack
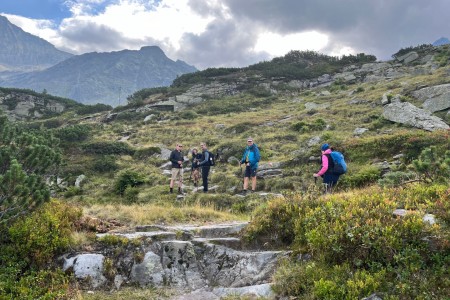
(340, 166)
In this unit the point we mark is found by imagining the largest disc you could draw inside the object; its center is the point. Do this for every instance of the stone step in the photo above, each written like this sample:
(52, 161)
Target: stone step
(204, 231)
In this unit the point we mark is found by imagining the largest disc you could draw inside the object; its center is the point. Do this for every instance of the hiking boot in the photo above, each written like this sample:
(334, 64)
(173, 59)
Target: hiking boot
(171, 190)
(243, 192)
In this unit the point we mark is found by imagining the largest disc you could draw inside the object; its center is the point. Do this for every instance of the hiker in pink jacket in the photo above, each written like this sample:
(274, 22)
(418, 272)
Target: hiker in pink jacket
(326, 172)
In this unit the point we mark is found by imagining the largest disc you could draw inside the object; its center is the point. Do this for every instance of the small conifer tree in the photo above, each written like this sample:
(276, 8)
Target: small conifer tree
(26, 157)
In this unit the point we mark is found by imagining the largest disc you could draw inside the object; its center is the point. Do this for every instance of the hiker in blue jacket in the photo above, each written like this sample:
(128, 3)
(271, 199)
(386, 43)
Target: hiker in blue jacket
(250, 158)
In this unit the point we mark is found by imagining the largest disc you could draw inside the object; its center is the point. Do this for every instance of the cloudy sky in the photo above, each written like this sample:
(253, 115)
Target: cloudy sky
(233, 33)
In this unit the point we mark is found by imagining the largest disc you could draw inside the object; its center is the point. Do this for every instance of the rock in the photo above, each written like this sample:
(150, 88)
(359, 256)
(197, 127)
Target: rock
(87, 266)
(435, 98)
(408, 57)
(408, 114)
(149, 271)
(149, 118)
(429, 218)
(80, 180)
(359, 131)
(261, 290)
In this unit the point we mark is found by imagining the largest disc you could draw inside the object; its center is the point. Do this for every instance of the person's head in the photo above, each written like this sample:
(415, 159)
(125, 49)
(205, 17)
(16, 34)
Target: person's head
(179, 146)
(194, 150)
(203, 145)
(249, 142)
(324, 147)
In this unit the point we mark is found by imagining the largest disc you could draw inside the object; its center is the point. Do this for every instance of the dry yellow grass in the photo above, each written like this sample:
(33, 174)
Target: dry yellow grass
(157, 214)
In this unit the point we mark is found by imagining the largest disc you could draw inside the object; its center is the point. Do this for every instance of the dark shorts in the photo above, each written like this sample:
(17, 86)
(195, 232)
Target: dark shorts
(330, 179)
(249, 172)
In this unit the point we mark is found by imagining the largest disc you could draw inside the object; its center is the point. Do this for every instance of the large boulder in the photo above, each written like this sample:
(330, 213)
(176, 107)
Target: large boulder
(435, 98)
(408, 114)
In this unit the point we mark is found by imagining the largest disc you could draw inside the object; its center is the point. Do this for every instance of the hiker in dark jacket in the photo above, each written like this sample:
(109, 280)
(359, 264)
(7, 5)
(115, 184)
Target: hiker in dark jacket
(205, 165)
(250, 158)
(329, 179)
(176, 157)
(195, 170)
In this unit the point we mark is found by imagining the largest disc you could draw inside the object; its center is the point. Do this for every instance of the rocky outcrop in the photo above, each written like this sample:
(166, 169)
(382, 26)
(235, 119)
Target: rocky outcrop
(435, 98)
(19, 106)
(408, 114)
(190, 259)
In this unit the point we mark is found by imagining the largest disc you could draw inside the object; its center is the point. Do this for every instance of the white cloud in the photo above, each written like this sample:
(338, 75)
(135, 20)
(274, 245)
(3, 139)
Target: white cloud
(278, 45)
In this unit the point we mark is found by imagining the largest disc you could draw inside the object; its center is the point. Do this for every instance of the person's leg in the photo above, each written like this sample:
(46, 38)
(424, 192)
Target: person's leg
(328, 183)
(205, 173)
(247, 176)
(172, 180)
(180, 180)
(253, 175)
(245, 183)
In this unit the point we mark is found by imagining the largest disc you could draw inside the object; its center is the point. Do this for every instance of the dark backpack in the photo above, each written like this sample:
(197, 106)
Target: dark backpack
(338, 165)
(212, 159)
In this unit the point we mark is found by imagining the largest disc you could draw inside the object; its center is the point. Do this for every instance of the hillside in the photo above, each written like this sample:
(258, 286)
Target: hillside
(368, 238)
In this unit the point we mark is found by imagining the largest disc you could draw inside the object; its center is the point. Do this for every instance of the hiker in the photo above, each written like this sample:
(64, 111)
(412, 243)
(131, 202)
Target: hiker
(176, 157)
(326, 172)
(205, 164)
(195, 170)
(250, 158)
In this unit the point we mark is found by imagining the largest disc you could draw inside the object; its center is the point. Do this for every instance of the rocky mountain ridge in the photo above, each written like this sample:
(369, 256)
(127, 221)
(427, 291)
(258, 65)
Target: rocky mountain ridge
(24, 52)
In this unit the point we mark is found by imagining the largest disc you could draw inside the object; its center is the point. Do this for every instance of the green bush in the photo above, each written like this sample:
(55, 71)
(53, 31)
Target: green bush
(365, 176)
(45, 233)
(273, 223)
(432, 165)
(127, 179)
(73, 133)
(92, 109)
(146, 152)
(357, 246)
(105, 163)
(188, 114)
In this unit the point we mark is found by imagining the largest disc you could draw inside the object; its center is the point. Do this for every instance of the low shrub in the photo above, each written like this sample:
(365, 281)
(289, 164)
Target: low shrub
(365, 176)
(127, 179)
(146, 152)
(74, 133)
(45, 233)
(105, 163)
(92, 109)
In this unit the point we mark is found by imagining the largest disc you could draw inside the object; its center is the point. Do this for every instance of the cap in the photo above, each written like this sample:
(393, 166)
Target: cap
(324, 147)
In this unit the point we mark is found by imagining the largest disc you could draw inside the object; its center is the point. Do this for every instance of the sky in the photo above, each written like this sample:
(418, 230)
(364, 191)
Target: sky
(233, 33)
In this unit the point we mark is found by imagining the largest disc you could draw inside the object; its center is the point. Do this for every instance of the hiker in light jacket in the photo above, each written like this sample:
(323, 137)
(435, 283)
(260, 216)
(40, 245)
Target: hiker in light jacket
(250, 158)
(329, 179)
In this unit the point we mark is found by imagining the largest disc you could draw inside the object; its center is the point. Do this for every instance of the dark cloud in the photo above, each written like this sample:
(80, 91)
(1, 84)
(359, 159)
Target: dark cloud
(88, 36)
(380, 27)
(223, 44)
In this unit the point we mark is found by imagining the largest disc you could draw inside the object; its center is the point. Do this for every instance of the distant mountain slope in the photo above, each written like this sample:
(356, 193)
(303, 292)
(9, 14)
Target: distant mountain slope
(104, 77)
(22, 51)
(441, 41)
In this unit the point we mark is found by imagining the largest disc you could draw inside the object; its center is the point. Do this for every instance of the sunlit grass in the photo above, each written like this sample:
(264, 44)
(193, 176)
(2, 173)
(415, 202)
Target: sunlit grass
(127, 293)
(158, 214)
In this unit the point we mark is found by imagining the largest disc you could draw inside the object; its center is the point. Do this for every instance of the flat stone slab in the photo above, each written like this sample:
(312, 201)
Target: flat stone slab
(158, 235)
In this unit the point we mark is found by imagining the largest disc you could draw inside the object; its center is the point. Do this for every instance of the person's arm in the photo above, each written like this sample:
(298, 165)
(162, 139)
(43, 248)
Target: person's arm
(324, 165)
(257, 154)
(243, 157)
(205, 158)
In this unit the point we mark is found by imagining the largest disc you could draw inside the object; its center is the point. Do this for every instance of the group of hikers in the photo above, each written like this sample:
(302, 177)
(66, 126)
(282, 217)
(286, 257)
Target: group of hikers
(201, 163)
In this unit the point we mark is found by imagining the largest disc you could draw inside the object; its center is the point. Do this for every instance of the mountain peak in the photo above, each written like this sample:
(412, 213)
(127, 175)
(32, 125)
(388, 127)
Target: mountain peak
(441, 41)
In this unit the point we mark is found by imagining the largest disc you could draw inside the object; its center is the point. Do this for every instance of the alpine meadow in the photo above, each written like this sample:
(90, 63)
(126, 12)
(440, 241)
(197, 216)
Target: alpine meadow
(86, 211)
